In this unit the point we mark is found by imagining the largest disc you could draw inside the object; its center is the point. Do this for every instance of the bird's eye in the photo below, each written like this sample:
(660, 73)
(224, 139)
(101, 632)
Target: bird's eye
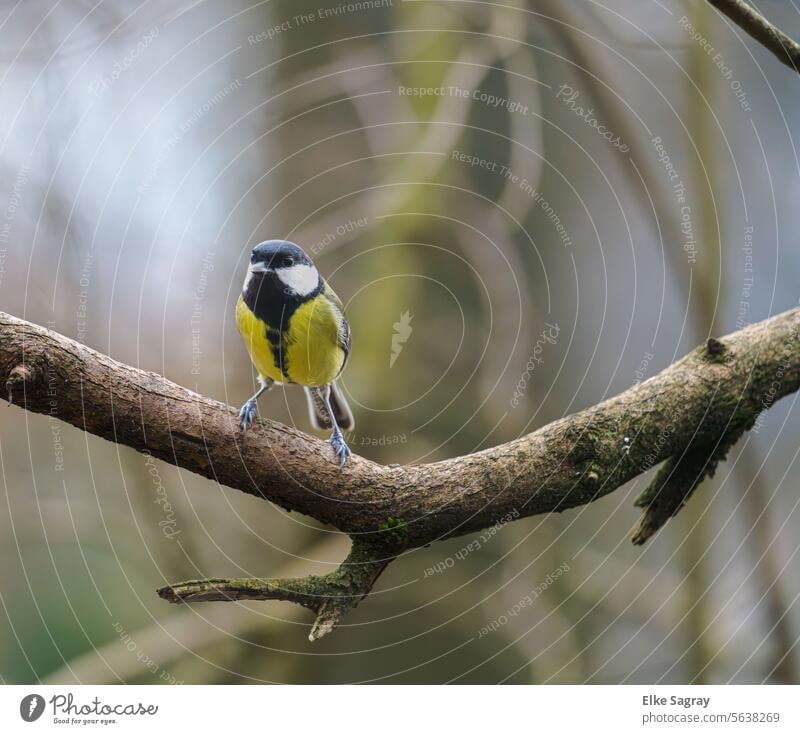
(288, 261)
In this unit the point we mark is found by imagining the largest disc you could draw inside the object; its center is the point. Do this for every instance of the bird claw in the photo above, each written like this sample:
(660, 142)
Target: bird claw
(340, 448)
(247, 414)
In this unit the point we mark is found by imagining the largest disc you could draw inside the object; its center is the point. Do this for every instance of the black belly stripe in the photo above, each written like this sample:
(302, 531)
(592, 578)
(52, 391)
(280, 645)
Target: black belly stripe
(277, 345)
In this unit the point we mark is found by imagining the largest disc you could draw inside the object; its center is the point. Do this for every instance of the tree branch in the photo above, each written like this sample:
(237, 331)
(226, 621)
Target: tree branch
(330, 597)
(757, 26)
(689, 415)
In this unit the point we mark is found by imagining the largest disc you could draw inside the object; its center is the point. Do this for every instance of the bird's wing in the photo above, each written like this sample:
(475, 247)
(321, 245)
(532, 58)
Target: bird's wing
(344, 327)
(344, 337)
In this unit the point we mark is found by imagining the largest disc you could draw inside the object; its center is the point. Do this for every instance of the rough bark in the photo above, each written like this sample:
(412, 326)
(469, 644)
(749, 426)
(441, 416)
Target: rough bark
(691, 413)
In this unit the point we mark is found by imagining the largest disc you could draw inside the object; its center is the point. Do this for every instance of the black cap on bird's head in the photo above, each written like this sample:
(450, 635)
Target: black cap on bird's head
(276, 254)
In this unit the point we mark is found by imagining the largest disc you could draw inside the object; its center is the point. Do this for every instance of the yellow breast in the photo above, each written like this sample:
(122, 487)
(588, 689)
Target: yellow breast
(254, 334)
(309, 347)
(314, 357)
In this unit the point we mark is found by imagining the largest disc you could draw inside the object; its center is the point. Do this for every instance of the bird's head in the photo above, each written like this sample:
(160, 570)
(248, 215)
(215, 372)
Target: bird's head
(285, 264)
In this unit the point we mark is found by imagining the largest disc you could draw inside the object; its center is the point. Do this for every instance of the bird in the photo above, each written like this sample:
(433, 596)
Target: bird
(295, 331)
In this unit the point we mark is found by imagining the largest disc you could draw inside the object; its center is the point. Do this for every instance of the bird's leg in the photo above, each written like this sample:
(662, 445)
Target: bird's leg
(340, 447)
(248, 412)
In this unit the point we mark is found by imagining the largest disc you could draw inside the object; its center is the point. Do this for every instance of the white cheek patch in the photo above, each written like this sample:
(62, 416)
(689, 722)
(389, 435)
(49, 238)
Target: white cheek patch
(247, 279)
(300, 279)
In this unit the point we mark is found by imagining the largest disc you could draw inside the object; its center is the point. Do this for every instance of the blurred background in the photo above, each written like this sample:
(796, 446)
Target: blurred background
(525, 207)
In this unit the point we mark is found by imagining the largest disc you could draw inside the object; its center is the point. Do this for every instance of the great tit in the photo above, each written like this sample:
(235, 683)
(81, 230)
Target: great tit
(295, 331)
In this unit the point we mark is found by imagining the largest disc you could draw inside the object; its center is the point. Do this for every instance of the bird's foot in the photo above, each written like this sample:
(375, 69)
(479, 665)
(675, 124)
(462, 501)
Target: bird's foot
(340, 447)
(247, 414)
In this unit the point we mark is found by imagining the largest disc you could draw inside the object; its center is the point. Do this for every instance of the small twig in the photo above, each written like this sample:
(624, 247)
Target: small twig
(757, 26)
(330, 596)
(170, 638)
(675, 483)
(683, 472)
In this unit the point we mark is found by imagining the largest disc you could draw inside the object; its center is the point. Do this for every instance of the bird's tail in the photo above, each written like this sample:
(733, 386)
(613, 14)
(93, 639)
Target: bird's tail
(319, 416)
